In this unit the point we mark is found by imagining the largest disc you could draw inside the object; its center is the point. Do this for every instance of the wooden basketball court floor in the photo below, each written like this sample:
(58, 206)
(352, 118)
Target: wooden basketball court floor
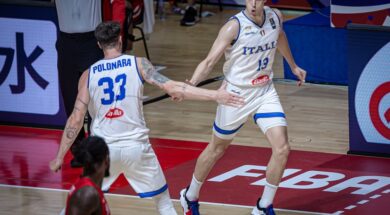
(317, 116)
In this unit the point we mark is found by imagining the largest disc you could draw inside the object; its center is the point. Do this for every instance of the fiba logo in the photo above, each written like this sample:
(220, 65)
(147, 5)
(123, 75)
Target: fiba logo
(372, 98)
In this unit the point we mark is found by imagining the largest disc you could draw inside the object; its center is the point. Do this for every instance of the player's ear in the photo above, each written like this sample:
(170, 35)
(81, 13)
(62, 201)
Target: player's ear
(107, 160)
(120, 41)
(107, 164)
(99, 45)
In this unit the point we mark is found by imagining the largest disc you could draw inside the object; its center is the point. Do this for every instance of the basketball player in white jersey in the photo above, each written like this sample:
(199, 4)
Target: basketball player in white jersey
(111, 90)
(249, 41)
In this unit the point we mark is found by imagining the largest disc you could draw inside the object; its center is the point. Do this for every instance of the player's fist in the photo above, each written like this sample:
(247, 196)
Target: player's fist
(55, 164)
(300, 73)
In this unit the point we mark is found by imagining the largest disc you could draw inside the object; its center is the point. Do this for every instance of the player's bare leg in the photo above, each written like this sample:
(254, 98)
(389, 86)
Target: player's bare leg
(164, 204)
(210, 155)
(277, 137)
(206, 161)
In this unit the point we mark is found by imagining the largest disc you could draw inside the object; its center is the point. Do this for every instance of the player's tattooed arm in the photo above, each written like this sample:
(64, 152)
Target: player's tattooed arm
(73, 124)
(151, 75)
(70, 132)
(73, 127)
(180, 90)
(75, 121)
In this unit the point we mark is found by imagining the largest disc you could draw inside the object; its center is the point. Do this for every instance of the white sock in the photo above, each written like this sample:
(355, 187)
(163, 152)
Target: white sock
(193, 190)
(164, 204)
(268, 195)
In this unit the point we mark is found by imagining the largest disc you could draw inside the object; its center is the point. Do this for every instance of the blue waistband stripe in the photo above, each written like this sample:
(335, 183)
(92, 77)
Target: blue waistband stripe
(153, 193)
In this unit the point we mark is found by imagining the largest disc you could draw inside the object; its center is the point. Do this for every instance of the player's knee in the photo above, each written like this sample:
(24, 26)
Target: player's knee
(220, 150)
(282, 151)
(217, 151)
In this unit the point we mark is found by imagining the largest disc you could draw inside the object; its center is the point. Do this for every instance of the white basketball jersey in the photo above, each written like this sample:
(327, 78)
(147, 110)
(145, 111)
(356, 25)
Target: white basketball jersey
(116, 89)
(249, 60)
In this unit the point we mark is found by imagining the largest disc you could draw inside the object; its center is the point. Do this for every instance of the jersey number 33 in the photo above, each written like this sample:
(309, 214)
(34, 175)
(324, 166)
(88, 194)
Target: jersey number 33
(108, 83)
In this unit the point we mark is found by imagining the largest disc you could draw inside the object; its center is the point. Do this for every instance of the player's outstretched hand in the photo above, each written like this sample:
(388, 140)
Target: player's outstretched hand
(227, 98)
(179, 99)
(55, 164)
(301, 75)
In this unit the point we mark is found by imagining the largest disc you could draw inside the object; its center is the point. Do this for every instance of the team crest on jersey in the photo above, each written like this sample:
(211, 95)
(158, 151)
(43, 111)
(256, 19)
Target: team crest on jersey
(114, 113)
(262, 32)
(248, 28)
(261, 80)
(273, 25)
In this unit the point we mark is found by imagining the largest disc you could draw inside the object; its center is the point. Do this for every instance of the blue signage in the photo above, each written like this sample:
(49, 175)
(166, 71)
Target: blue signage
(369, 90)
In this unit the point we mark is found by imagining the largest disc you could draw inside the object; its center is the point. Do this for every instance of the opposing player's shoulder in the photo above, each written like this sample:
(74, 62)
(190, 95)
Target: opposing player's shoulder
(88, 194)
(85, 199)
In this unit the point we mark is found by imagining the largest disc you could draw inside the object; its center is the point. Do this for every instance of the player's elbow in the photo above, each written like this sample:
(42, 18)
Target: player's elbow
(209, 63)
(76, 120)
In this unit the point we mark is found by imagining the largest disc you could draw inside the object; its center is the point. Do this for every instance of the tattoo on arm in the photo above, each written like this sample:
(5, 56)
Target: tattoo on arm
(85, 104)
(76, 109)
(151, 74)
(70, 132)
(79, 104)
(184, 87)
(159, 78)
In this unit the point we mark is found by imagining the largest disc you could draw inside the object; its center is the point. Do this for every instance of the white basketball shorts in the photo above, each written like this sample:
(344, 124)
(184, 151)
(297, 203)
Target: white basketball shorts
(262, 103)
(140, 166)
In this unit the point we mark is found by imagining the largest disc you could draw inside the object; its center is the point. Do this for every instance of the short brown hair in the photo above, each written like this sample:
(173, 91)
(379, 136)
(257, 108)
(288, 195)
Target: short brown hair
(107, 34)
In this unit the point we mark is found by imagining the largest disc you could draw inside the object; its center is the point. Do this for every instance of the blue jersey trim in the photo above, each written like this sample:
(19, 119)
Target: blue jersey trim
(153, 193)
(139, 74)
(280, 24)
(268, 115)
(89, 76)
(226, 132)
(260, 26)
(239, 30)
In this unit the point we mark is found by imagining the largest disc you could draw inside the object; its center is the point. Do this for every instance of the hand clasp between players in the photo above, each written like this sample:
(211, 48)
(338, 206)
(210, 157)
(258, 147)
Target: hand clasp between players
(221, 96)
